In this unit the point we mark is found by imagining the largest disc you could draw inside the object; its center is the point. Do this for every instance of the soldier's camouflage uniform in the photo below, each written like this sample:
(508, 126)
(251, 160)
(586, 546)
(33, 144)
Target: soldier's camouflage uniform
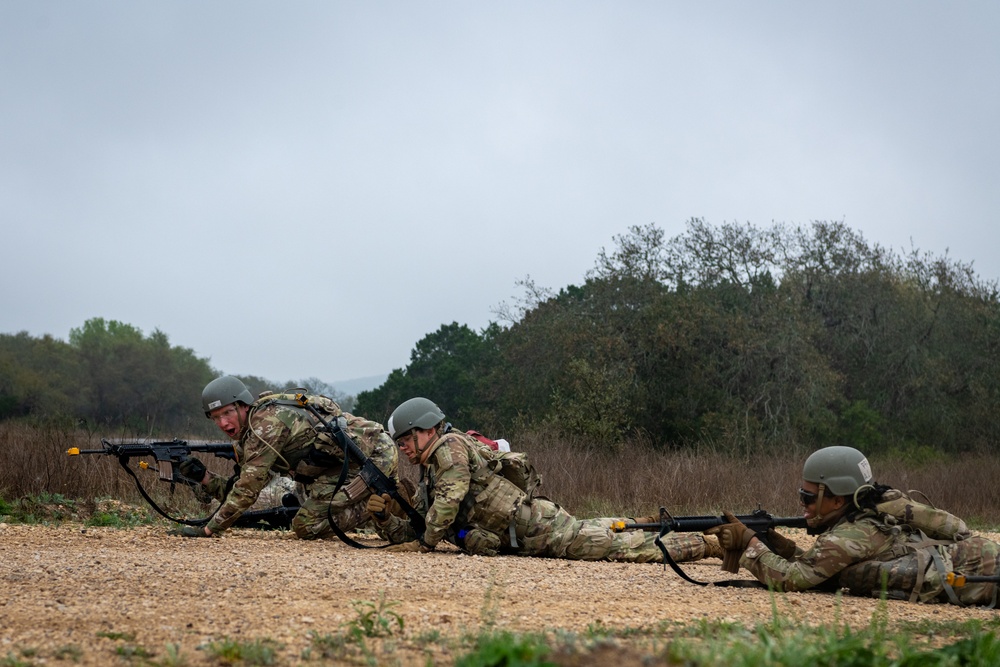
(904, 547)
(467, 505)
(279, 436)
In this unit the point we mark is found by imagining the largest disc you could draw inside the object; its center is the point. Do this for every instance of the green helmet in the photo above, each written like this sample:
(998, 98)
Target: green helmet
(843, 470)
(224, 391)
(414, 413)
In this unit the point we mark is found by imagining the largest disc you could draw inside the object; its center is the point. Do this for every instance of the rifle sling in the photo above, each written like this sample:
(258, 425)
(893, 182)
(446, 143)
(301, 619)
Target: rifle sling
(668, 560)
(340, 482)
(187, 522)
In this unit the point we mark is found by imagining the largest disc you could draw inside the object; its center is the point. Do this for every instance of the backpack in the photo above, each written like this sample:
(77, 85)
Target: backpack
(500, 445)
(935, 523)
(512, 466)
(517, 469)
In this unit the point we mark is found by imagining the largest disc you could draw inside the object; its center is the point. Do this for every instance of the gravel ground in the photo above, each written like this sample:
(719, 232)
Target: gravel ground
(94, 596)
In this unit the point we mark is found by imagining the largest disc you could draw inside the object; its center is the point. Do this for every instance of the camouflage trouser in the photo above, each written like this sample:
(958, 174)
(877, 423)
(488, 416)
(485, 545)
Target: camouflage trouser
(898, 577)
(976, 557)
(348, 505)
(545, 529)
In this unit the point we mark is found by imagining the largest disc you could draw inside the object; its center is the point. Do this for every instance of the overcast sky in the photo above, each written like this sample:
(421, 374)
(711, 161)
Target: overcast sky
(306, 189)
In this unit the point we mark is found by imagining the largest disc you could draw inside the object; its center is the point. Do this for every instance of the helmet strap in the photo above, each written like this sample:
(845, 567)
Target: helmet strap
(817, 520)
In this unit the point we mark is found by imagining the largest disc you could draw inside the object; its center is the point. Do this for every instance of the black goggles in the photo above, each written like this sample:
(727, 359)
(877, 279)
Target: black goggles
(807, 498)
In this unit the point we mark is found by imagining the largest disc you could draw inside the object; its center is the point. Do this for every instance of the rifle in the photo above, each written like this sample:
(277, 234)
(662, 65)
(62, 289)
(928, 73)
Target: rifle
(758, 521)
(377, 481)
(167, 454)
(958, 580)
(274, 518)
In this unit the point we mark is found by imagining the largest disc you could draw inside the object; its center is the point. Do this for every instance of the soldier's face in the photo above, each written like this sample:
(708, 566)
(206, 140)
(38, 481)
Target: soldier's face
(414, 443)
(808, 497)
(230, 418)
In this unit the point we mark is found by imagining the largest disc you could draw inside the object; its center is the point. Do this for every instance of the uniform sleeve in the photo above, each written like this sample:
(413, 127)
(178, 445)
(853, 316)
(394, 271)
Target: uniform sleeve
(216, 487)
(451, 485)
(844, 545)
(260, 451)
(396, 530)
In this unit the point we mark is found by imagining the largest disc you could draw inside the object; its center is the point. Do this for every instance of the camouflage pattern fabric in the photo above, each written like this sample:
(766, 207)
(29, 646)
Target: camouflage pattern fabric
(861, 553)
(448, 496)
(279, 437)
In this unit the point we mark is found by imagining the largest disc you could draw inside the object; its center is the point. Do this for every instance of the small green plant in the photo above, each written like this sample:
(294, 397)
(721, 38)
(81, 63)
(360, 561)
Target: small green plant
(429, 637)
(130, 651)
(326, 647)
(255, 652)
(503, 649)
(374, 619)
(116, 636)
(492, 597)
(68, 652)
(12, 660)
(103, 519)
(174, 657)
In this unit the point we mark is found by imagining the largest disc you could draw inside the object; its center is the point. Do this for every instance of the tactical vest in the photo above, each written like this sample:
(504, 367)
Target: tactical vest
(901, 571)
(500, 482)
(323, 453)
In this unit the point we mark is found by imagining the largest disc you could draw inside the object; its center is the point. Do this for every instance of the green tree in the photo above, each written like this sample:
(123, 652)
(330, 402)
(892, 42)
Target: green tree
(137, 382)
(448, 367)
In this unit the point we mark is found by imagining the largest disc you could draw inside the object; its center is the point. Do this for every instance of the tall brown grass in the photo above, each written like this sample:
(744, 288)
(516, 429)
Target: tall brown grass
(631, 480)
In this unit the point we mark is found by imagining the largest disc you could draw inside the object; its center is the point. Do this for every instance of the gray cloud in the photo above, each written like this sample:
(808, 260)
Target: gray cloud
(307, 189)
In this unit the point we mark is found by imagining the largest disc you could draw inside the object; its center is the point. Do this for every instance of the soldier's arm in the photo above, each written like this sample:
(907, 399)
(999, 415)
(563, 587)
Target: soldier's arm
(831, 553)
(451, 463)
(260, 452)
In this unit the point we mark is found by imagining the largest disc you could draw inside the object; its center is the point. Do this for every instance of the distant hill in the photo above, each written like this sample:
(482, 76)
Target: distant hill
(354, 387)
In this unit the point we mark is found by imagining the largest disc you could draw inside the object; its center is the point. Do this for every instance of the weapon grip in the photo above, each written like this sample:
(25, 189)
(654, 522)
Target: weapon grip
(731, 561)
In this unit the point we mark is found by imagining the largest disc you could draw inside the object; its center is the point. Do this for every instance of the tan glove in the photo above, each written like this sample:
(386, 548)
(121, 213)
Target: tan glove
(779, 544)
(734, 538)
(416, 546)
(380, 507)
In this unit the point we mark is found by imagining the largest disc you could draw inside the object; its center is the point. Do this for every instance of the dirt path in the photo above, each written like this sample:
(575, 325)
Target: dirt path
(96, 594)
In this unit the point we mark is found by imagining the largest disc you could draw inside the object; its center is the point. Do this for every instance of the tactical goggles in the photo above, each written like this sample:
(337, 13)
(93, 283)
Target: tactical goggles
(807, 498)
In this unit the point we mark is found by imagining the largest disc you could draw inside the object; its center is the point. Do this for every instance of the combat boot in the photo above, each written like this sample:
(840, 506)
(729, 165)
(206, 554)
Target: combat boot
(712, 547)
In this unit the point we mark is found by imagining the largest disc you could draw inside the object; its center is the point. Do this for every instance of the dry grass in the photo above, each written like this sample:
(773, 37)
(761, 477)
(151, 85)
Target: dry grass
(629, 481)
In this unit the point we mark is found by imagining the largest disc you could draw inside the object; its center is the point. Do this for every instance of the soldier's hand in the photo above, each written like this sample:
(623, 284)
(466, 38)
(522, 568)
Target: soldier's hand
(416, 546)
(781, 545)
(192, 468)
(189, 531)
(733, 536)
(379, 506)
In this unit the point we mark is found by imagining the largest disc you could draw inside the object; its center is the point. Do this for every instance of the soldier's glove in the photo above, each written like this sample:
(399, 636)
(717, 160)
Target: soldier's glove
(416, 546)
(188, 531)
(379, 506)
(779, 544)
(192, 468)
(734, 538)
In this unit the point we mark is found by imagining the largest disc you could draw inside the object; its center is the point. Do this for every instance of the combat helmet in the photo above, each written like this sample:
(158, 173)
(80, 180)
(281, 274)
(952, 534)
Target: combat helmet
(224, 391)
(415, 413)
(842, 470)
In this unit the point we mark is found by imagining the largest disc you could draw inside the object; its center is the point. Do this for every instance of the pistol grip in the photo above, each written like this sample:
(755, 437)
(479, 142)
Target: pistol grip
(731, 561)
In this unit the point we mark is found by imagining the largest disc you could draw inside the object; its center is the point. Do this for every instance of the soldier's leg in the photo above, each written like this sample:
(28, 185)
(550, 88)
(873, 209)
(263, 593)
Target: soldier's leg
(630, 547)
(977, 557)
(312, 520)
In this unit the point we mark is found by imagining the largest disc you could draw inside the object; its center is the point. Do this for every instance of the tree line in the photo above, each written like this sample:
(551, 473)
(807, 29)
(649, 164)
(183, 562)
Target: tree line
(730, 336)
(110, 377)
